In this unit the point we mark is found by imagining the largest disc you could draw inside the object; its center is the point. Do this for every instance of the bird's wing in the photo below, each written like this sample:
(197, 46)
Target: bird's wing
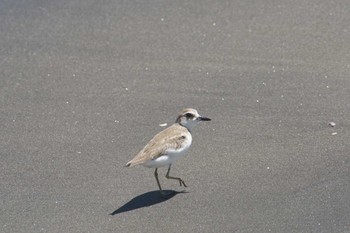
(170, 139)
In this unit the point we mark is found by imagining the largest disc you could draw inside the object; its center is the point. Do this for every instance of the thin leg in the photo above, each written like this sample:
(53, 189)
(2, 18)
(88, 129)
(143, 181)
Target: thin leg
(160, 188)
(156, 175)
(175, 178)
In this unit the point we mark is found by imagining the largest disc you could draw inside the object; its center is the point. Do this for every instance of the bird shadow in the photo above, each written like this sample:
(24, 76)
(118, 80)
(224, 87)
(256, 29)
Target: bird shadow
(145, 200)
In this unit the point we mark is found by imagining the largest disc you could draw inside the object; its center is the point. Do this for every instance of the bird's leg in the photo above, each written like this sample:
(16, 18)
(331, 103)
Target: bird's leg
(175, 178)
(156, 175)
(160, 188)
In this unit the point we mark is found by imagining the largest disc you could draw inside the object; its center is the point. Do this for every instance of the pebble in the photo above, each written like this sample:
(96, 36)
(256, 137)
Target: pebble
(332, 123)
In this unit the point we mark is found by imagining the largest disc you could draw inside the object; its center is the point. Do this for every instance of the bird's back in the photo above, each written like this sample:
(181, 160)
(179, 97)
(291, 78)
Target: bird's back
(173, 140)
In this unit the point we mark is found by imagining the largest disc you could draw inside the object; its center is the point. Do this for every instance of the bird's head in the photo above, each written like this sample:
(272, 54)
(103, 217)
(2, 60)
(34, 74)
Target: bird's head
(189, 117)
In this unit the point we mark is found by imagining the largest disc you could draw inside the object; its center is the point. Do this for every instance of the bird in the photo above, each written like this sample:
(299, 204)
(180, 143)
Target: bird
(169, 145)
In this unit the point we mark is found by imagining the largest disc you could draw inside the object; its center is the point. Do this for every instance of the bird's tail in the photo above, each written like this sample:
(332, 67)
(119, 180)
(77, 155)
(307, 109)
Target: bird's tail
(134, 162)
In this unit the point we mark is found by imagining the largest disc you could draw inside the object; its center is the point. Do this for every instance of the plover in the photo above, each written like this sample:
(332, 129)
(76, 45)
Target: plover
(169, 145)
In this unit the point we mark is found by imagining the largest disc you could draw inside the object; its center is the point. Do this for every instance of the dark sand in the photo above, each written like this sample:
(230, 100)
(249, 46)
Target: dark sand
(85, 84)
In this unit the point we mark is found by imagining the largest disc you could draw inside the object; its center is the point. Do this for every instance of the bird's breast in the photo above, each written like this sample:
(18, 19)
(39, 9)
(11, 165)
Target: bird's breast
(171, 154)
(183, 146)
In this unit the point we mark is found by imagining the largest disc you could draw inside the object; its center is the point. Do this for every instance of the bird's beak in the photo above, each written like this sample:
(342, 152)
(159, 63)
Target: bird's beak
(204, 119)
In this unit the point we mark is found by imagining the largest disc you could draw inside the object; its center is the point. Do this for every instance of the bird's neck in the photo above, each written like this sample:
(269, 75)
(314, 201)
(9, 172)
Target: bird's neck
(187, 126)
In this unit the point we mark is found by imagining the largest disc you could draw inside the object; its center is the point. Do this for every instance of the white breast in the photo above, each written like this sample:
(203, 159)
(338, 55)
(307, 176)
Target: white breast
(171, 155)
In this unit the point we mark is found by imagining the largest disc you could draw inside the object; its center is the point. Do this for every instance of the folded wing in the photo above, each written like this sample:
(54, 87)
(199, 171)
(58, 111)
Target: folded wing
(167, 141)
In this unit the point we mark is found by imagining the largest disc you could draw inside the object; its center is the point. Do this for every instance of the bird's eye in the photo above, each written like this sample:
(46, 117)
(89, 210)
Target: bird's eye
(188, 115)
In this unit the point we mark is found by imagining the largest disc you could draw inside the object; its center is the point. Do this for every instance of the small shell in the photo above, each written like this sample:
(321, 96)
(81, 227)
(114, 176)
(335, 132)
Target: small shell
(332, 123)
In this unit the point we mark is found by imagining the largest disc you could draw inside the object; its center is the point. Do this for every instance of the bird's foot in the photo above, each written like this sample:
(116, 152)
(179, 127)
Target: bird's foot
(182, 182)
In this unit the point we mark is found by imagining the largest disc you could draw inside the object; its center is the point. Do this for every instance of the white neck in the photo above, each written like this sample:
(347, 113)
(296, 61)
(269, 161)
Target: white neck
(188, 124)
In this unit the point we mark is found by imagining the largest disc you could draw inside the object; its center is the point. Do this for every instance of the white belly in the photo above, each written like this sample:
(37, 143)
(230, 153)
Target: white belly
(170, 157)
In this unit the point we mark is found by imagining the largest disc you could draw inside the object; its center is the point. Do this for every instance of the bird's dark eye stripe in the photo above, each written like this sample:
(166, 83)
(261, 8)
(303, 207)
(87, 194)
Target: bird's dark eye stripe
(188, 115)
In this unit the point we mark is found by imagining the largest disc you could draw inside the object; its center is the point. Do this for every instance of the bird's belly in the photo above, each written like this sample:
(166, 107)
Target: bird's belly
(167, 159)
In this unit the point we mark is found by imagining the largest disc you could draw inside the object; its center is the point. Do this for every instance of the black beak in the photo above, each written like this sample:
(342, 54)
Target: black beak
(204, 119)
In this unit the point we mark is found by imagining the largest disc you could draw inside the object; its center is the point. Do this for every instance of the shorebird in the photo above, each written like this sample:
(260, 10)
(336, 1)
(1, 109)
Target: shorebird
(169, 145)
